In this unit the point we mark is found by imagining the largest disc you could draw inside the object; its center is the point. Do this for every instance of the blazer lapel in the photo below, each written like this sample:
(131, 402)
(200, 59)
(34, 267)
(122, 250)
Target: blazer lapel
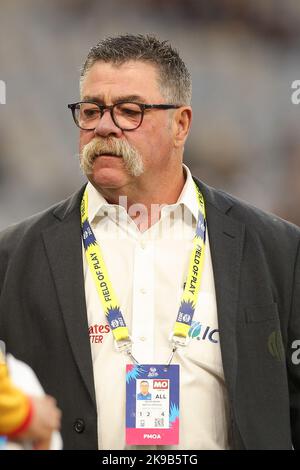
(226, 237)
(64, 250)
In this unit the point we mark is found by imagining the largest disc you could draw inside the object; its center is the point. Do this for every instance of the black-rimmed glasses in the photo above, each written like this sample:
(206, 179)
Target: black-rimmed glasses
(128, 116)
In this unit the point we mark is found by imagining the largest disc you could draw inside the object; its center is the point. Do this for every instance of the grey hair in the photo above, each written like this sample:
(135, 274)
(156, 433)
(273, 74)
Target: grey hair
(174, 79)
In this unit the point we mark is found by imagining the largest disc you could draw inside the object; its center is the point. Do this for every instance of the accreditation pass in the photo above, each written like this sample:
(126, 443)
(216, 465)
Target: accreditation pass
(152, 404)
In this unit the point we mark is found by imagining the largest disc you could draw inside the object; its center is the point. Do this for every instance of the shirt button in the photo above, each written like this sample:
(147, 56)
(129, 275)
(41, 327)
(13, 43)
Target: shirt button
(143, 291)
(143, 245)
(142, 338)
(79, 426)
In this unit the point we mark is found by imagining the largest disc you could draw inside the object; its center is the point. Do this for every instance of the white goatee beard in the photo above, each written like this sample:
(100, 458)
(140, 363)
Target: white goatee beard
(111, 146)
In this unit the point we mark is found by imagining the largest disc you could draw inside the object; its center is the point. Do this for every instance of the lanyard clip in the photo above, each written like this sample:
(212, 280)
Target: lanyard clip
(125, 345)
(178, 341)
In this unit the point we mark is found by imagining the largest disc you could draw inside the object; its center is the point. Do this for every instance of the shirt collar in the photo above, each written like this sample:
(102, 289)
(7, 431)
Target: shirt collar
(188, 197)
(98, 205)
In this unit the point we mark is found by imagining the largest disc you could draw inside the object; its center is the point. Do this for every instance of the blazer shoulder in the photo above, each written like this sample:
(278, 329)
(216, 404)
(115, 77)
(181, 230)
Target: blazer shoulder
(33, 225)
(265, 224)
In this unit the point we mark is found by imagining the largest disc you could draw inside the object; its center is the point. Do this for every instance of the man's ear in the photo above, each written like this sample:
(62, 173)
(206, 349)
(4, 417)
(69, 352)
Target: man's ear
(182, 121)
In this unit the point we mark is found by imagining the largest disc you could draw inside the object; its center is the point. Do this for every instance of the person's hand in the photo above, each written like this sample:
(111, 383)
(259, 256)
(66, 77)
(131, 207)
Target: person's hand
(45, 419)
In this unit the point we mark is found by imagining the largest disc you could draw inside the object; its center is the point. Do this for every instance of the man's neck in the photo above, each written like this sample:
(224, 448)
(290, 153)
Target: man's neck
(143, 203)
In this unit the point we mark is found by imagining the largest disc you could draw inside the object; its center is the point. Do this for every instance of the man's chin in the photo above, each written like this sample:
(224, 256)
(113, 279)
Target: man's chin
(108, 177)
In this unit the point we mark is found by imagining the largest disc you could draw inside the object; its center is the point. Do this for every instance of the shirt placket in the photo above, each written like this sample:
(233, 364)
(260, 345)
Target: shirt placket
(143, 301)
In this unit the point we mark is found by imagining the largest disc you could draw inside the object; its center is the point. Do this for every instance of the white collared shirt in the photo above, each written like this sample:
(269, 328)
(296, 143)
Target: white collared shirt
(148, 271)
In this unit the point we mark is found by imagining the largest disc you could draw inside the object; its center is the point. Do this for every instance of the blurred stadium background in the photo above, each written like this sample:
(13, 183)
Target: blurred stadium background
(243, 56)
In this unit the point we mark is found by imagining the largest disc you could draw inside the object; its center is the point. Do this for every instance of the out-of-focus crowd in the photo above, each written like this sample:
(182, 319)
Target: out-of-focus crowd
(243, 57)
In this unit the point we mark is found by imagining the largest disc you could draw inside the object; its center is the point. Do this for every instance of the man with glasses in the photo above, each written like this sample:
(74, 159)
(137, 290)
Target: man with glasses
(158, 261)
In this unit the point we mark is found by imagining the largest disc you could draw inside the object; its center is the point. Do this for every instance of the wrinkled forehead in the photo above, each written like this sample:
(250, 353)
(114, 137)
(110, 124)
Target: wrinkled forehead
(132, 80)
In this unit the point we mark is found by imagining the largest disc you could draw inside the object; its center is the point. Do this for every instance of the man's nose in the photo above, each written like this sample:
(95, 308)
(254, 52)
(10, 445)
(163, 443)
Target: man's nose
(106, 126)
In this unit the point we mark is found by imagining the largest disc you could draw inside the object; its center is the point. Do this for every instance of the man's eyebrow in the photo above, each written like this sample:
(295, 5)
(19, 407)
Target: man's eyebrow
(99, 99)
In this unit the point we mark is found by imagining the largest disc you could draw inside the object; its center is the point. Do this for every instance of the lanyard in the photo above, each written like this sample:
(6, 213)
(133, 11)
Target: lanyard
(107, 295)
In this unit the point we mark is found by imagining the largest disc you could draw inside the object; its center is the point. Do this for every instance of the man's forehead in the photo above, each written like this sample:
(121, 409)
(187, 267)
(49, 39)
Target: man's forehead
(101, 99)
(132, 81)
(130, 67)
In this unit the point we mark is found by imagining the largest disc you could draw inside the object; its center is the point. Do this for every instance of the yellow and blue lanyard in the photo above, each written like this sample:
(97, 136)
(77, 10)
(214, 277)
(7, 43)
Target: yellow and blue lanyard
(106, 292)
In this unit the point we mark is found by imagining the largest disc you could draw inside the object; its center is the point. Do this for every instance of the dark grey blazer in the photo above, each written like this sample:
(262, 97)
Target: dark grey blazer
(255, 257)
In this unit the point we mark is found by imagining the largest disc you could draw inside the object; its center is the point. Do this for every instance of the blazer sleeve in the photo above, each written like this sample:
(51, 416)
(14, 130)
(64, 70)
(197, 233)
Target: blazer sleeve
(293, 358)
(7, 245)
(15, 407)
(3, 267)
